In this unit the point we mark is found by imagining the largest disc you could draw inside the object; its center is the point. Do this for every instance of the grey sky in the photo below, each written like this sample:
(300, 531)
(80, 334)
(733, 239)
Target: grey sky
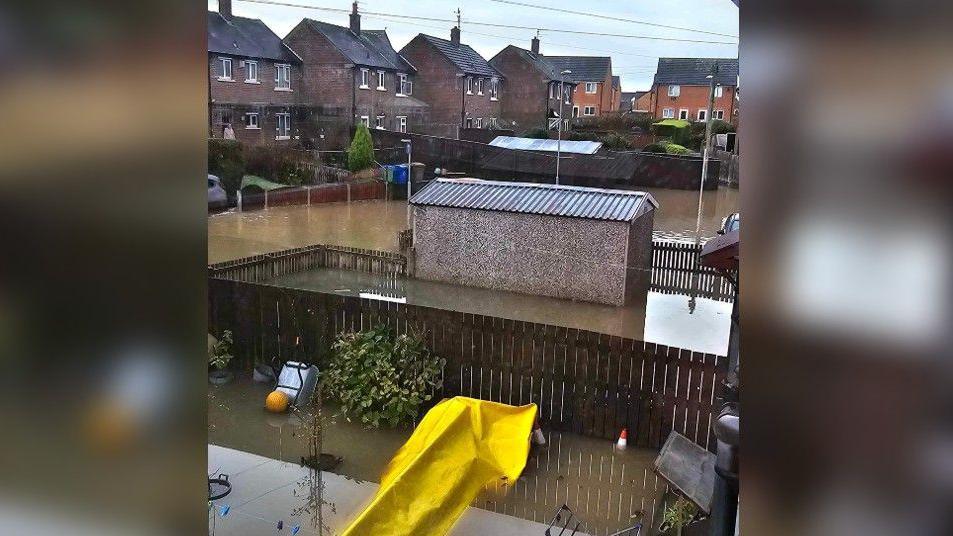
(632, 59)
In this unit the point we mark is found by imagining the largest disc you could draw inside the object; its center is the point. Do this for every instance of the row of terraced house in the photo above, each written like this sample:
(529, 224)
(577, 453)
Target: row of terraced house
(320, 81)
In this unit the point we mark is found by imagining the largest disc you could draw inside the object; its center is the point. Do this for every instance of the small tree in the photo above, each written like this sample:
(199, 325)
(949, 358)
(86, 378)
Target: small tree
(361, 153)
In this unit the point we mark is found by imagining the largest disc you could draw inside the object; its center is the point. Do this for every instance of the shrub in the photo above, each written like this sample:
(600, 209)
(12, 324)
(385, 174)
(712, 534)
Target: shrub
(378, 376)
(219, 353)
(226, 160)
(615, 142)
(361, 153)
(277, 164)
(537, 133)
(666, 147)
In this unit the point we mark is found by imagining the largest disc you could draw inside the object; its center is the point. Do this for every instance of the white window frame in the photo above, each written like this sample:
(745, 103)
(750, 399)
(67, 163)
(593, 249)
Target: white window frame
(674, 90)
(222, 63)
(248, 69)
(494, 89)
(718, 114)
(719, 91)
(401, 85)
(379, 122)
(248, 121)
(479, 86)
(468, 122)
(567, 90)
(554, 90)
(585, 111)
(683, 113)
(575, 111)
(279, 67)
(478, 123)
(287, 122)
(402, 123)
(668, 113)
(365, 79)
(566, 124)
(380, 81)
(366, 121)
(594, 87)
(702, 114)
(469, 83)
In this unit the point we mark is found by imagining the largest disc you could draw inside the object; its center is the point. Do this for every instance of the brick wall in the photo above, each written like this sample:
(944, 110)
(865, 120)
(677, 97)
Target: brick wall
(233, 99)
(528, 101)
(439, 87)
(602, 99)
(692, 98)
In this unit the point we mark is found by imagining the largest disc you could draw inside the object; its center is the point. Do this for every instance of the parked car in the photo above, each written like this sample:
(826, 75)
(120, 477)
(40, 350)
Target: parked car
(217, 198)
(732, 222)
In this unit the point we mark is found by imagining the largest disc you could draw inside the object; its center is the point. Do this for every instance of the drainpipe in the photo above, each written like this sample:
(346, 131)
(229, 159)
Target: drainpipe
(353, 97)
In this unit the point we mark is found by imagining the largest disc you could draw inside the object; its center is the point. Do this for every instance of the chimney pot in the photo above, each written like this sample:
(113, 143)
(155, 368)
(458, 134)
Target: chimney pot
(455, 35)
(355, 20)
(225, 8)
(535, 45)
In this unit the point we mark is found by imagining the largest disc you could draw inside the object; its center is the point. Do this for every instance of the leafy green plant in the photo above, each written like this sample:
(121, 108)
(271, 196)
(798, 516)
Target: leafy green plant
(666, 147)
(615, 142)
(226, 160)
(677, 515)
(219, 350)
(378, 376)
(360, 154)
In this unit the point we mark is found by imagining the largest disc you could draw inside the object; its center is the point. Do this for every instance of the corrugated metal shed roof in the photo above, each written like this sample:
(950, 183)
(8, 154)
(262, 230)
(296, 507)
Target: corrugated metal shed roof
(533, 144)
(533, 198)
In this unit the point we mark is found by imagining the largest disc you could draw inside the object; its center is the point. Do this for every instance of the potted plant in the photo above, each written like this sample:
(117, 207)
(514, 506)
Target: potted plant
(677, 515)
(218, 357)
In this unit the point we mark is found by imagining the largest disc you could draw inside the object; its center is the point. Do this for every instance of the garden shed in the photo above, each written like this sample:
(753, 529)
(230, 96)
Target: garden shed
(587, 244)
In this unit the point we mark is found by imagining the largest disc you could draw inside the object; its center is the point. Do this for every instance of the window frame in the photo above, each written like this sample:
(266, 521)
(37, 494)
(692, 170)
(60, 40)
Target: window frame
(575, 111)
(668, 113)
(287, 121)
(494, 89)
(554, 90)
(479, 86)
(365, 79)
(248, 116)
(719, 91)
(718, 114)
(279, 67)
(683, 113)
(366, 121)
(222, 61)
(380, 81)
(674, 90)
(402, 123)
(478, 123)
(595, 88)
(702, 112)
(379, 122)
(468, 122)
(401, 82)
(469, 85)
(585, 111)
(249, 79)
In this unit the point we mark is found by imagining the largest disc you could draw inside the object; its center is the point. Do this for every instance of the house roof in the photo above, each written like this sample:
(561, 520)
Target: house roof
(538, 61)
(533, 144)
(692, 71)
(584, 68)
(251, 38)
(462, 56)
(616, 82)
(371, 48)
(533, 198)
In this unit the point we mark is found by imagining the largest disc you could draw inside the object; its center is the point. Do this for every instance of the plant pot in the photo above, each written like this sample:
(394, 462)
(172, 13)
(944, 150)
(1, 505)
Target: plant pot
(263, 374)
(220, 377)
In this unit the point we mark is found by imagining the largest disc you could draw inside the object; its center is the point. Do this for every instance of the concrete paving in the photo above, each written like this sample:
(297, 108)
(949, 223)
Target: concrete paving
(265, 491)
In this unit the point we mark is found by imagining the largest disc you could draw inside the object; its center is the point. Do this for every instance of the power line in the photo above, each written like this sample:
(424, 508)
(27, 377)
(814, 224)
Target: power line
(496, 25)
(606, 17)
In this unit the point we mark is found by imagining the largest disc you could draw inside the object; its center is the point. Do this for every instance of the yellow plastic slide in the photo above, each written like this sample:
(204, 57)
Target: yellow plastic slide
(460, 446)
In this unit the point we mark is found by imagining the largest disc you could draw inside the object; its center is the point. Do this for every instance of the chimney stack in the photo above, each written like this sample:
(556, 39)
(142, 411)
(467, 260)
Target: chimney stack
(455, 35)
(225, 8)
(355, 20)
(535, 45)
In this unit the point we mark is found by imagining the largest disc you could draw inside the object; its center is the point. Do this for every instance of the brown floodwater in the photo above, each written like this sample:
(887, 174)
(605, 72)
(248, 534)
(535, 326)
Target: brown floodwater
(609, 490)
(374, 224)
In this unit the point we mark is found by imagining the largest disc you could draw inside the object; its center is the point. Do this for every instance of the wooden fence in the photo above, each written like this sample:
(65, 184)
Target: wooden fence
(676, 270)
(313, 195)
(267, 266)
(582, 381)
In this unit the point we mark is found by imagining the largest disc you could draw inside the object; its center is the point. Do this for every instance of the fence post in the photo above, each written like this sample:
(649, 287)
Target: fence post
(266, 198)
(238, 196)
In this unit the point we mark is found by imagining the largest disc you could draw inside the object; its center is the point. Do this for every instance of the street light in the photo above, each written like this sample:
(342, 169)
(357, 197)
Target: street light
(559, 126)
(701, 186)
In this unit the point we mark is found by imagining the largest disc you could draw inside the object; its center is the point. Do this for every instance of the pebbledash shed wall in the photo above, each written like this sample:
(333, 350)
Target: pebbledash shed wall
(517, 237)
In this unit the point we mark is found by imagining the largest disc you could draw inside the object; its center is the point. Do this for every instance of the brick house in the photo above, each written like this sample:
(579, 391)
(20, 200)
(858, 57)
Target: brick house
(617, 92)
(643, 102)
(680, 89)
(594, 94)
(460, 86)
(254, 79)
(532, 94)
(352, 76)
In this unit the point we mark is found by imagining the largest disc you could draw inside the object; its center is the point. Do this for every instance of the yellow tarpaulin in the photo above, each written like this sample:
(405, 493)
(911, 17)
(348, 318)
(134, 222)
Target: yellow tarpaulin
(460, 446)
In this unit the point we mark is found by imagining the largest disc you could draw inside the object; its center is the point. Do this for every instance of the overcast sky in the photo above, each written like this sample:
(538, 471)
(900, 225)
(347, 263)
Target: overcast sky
(632, 59)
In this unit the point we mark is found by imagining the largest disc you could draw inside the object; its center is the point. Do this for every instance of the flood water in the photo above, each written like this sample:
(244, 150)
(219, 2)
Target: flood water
(675, 320)
(374, 224)
(607, 489)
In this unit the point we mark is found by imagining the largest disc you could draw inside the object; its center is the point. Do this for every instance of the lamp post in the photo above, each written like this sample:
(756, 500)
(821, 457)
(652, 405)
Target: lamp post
(705, 142)
(559, 126)
(407, 145)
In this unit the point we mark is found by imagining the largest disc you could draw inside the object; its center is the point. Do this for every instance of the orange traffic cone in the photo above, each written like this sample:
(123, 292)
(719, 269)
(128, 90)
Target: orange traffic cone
(623, 440)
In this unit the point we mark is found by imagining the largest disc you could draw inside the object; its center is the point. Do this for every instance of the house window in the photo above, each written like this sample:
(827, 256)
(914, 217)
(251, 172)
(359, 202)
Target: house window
(478, 123)
(401, 124)
(702, 114)
(379, 122)
(568, 94)
(668, 113)
(494, 89)
(719, 91)
(479, 86)
(251, 72)
(366, 120)
(554, 90)
(226, 64)
(469, 85)
(284, 126)
(589, 110)
(719, 114)
(575, 111)
(683, 113)
(282, 77)
(380, 81)
(365, 79)
(674, 91)
(565, 124)
(590, 87)
(226, 118)
(251, 121)
(404, 86)
(469, 122)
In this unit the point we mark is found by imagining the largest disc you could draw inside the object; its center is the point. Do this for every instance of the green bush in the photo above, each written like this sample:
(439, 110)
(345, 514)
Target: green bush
(666, 147)
(378, 376)
(226, 160)
(537, 133)
(361, 153)
(615, 142)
